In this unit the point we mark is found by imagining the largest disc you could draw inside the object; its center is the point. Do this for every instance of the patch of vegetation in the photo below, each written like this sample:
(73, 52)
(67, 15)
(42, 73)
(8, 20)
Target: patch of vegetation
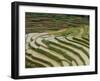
(43, 22)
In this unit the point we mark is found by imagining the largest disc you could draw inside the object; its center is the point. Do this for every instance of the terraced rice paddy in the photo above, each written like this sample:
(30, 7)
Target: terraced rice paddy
(56, 40)
(66, 47)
